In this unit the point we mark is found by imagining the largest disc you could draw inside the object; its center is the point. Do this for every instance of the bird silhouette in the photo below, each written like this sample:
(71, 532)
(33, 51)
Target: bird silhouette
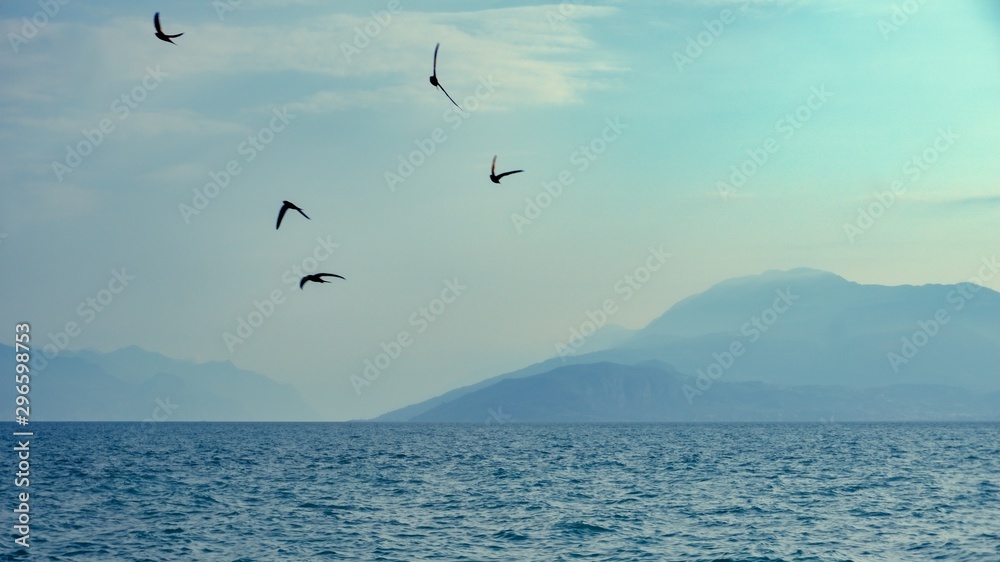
(318, 278)
(159, 31)
(434, 77)
(493, 172)
(288, 205)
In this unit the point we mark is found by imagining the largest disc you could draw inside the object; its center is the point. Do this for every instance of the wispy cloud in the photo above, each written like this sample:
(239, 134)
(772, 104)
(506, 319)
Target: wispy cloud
(937, 198)
(538, 63)
(954, 200)
(140, 123)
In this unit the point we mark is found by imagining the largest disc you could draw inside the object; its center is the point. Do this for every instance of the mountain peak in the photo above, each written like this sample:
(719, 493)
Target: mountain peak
(804, 274)
(792, 332)
(715, 309)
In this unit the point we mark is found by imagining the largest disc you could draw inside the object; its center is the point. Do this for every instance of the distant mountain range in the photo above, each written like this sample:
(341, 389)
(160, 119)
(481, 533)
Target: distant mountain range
(793, 345)
(785, 345)
(132, 384)
(654, 392)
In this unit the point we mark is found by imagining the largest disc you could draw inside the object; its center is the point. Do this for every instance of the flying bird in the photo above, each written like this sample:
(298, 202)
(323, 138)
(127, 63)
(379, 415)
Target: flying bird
(434, 77)
(288, 205)
(493, 172)
(318, 278)
(159, 31)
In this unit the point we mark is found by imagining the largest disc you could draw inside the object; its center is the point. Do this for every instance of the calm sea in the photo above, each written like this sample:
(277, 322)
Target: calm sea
(502, 491)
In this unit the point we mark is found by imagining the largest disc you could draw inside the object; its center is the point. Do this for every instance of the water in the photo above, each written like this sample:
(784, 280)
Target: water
(217, 491)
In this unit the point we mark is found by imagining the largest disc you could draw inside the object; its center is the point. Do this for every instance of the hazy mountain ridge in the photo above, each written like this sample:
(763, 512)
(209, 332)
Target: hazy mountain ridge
(758, 349)
(835, 332)
(802, 329)
(132, 384)
(650, 392)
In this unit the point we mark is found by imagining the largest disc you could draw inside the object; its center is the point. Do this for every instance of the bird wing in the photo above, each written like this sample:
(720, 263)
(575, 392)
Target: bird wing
(172, 36)
(436, 59)
(493, 168)
(303, 213)
(281, 215)
(331, 275)
(302, 282)
(156, 21)
(509, 173)
(449, 97)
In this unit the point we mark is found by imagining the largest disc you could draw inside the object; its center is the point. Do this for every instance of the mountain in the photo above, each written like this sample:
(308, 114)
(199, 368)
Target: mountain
(804, 328)
(607, 336)
(132, 384)
(812, 327)
(655, 392)
(594, 392)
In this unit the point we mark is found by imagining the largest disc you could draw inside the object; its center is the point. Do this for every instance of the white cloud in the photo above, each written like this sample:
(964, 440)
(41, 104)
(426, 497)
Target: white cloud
(538, 60)
(138, 123)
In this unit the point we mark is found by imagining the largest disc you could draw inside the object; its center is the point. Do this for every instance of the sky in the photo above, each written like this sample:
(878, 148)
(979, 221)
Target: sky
(668, 145)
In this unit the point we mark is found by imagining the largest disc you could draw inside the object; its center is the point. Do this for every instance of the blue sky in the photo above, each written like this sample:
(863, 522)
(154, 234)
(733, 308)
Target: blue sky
(632, 125)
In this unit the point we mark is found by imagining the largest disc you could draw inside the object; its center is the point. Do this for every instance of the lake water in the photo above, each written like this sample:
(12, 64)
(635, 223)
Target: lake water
(502, 491)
